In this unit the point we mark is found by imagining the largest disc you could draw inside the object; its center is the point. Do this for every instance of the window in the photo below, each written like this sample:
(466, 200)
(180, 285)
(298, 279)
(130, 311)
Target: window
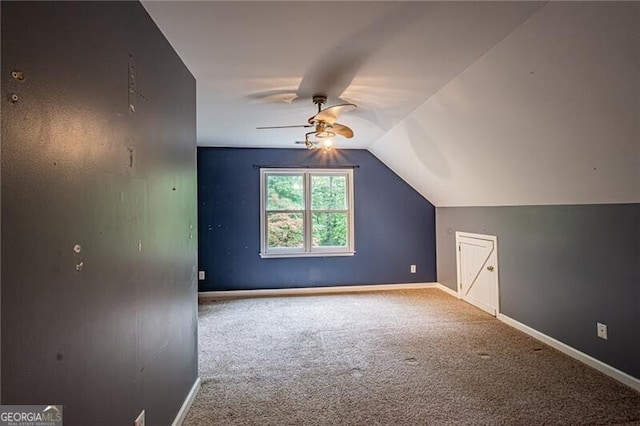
(306, 212)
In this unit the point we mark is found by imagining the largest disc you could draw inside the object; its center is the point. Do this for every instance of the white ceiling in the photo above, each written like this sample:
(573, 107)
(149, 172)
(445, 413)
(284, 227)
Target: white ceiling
(551, 115)
(471, 103)
(259, 63)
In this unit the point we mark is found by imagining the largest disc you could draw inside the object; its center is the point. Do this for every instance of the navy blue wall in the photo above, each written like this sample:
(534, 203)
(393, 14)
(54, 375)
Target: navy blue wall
(394, 225)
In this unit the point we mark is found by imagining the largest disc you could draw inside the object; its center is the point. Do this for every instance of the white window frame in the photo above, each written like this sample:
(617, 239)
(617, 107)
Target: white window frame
(307, 250)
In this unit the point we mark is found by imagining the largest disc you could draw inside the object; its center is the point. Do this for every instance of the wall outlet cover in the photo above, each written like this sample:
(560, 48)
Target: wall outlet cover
(201, 275)
(413, 269)
(139, 421)
(602, 331)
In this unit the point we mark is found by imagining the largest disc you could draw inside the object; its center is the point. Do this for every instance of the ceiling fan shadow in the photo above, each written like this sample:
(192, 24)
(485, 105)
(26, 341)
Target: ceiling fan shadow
(426, 149)
(378, 119)
(334, 71)
(273, 96)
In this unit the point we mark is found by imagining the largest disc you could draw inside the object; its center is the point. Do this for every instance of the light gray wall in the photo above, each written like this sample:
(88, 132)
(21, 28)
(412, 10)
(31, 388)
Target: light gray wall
(118, 335)
(562, 269)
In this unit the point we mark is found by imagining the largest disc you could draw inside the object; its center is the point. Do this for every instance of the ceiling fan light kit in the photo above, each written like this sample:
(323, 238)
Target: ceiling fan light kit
(324, 124)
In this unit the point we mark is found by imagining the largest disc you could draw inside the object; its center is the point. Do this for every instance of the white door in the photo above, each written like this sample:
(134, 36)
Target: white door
(478, 270)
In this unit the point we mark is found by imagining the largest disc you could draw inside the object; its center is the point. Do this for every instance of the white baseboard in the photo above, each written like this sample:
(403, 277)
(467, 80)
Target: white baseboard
(182, 414)
(448, 290)
(610, 371)
(207, 295)
(592, 362)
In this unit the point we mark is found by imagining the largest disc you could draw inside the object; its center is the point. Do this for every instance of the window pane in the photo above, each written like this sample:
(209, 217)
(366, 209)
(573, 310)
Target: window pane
(328, 192)
(285, 230)
(329, 229)
(285, 192)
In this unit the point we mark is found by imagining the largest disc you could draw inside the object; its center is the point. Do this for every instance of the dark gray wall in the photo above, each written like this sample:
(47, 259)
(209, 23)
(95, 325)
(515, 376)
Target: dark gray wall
(1, 107)
(394, 225)
(119, 335)
(562, 269)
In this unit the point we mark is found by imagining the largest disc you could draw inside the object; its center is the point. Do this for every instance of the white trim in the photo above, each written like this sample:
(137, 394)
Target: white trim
(592, 362)
(494, 240)
(226, 294)
(480, 304)
(610, 371)
(307, 250)
(182, 414)
(272, 255)
(448, 290)
(478, 236)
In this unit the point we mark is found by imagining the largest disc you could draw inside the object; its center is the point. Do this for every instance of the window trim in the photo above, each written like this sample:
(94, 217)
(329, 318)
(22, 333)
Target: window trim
(307, 250)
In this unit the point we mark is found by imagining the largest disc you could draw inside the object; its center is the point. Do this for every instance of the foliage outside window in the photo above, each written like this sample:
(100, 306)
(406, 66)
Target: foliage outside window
(306, 212)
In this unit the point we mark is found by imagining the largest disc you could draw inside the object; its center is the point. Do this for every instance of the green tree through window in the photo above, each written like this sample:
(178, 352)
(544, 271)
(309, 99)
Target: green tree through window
(306, 212)
(285, 211)
(328, 203)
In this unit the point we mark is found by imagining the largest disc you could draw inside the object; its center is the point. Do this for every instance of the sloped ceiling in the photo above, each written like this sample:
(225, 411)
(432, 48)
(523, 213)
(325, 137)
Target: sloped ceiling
(549, 116)
(472, 103)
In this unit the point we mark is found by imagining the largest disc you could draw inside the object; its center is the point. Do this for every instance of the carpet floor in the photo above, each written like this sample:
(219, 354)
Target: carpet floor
(418, 357)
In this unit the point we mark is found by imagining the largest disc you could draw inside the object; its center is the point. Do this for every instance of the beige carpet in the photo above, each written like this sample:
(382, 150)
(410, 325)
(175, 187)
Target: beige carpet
(418, 357)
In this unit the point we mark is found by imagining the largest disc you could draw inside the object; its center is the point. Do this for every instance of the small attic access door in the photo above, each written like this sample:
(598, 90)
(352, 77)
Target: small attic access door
(477, 260)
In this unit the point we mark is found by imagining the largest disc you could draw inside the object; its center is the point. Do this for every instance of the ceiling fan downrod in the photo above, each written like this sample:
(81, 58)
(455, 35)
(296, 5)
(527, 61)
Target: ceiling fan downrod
(319, 100)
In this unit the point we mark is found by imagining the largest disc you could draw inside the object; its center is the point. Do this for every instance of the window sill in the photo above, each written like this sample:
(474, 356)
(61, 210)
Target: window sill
(312, 254)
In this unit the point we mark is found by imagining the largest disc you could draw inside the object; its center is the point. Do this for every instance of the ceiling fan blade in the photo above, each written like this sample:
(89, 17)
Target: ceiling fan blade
(330, 115)
(342, 130)
(284, 127)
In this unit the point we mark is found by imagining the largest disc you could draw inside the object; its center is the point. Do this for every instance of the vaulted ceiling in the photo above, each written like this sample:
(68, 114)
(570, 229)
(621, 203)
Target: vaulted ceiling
(472, 103)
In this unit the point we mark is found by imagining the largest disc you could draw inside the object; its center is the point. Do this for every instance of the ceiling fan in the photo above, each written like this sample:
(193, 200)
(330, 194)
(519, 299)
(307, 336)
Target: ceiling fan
(324, 125)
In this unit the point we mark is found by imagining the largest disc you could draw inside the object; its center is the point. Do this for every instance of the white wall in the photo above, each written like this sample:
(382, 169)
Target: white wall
(550, 115)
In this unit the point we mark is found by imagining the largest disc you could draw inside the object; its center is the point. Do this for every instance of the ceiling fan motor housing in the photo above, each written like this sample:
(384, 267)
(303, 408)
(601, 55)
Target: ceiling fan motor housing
(319, 100)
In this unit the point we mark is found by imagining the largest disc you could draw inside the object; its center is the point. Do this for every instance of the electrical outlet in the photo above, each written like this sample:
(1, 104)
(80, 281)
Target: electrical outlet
(201, 275)
(602, 330)
(139, 420)
(413, 269)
